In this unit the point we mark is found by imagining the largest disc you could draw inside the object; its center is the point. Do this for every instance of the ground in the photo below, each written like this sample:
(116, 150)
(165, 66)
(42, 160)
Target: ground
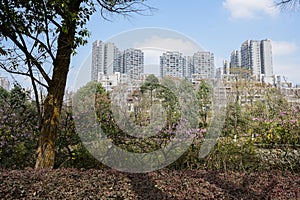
(162, 184)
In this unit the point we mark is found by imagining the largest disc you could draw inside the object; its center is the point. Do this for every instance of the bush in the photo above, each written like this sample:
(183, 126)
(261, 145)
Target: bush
(18, 129)
(230, 155)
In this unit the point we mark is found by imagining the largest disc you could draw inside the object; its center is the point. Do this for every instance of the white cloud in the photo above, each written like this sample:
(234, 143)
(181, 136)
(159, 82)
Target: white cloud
(281, 48)
(162, 44)
(286, 60)
(154, 46)
(288, 70)
(250, 8)
(152, 56)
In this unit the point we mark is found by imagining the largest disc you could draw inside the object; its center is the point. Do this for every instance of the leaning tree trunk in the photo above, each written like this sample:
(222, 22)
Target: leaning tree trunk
(51, 115)
(46, 148)
(54, 99)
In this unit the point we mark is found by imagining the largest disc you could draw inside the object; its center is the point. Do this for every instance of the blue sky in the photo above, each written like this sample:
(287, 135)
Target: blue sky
(218, 26)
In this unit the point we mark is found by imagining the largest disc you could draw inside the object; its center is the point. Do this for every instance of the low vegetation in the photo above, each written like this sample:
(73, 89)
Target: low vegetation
(163, 184)
(256, 156)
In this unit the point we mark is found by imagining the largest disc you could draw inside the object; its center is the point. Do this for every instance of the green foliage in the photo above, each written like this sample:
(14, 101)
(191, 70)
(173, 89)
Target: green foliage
(257, 136)
(155, 95)
(236, 122)
(70, 149)
(35, 33)
(272, 124)
(18, 129)
(33, 19)
(3, 94)
(93, 97)
(232, 155)
(204, 97)
(247, 127)
(168, 93)
(151, 82)
(275, 122)
(190, 159)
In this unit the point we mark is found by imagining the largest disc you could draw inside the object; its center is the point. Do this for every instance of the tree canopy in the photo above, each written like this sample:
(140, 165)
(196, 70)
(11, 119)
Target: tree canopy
(37, 40)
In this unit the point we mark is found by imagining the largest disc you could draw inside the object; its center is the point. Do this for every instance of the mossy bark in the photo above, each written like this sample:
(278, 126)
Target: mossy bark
(54, 100)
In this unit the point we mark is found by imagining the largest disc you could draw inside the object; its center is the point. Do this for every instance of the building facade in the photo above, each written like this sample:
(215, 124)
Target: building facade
(235, 59)
(172, 63)
(133, 63)
(266, 61)
(105, 59)
(111, 59)
(251, 60)
(203, 64)
(97, 59)
(226, 67)
(256, 56)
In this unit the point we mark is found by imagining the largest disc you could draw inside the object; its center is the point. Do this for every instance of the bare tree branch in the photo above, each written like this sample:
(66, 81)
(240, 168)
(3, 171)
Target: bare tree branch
(124, 8)
(21, 73)
(36, 94)
(288, 4)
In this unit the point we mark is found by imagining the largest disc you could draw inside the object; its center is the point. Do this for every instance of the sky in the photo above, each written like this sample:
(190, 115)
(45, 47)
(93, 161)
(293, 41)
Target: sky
(218, 26)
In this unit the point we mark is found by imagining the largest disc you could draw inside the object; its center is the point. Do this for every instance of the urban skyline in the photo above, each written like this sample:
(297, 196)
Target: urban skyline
(175, 64)
(229, 24)
(201, 63)
(107, 59)
(255, 56)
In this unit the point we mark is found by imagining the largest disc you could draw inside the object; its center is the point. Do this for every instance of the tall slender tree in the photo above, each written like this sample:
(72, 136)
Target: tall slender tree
(38, 38)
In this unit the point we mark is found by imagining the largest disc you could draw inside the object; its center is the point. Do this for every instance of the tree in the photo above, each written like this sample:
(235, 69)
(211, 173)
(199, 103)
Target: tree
(18, 128)
(204, 97)
(288, 3)
(168, 93)
(241, 79)
(151, 83)
(37, 37)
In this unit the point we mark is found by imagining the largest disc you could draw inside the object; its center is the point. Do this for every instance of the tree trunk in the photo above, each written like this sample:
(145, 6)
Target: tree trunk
(46, 149)
(54, 99)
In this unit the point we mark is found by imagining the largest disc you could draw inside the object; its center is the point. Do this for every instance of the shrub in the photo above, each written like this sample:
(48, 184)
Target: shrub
(18, 129)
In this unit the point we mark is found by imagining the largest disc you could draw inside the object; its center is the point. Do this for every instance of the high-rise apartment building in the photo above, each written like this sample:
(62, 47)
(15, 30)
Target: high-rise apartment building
(105, 59)
(235, 59)
(257, 57)
(133, 63)
(266, 60)
(250, 54)
(108, 59)
(111, 56)
(97, 59)
(203, 64)
(188, 67)
(226, 67)
(172, 63)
